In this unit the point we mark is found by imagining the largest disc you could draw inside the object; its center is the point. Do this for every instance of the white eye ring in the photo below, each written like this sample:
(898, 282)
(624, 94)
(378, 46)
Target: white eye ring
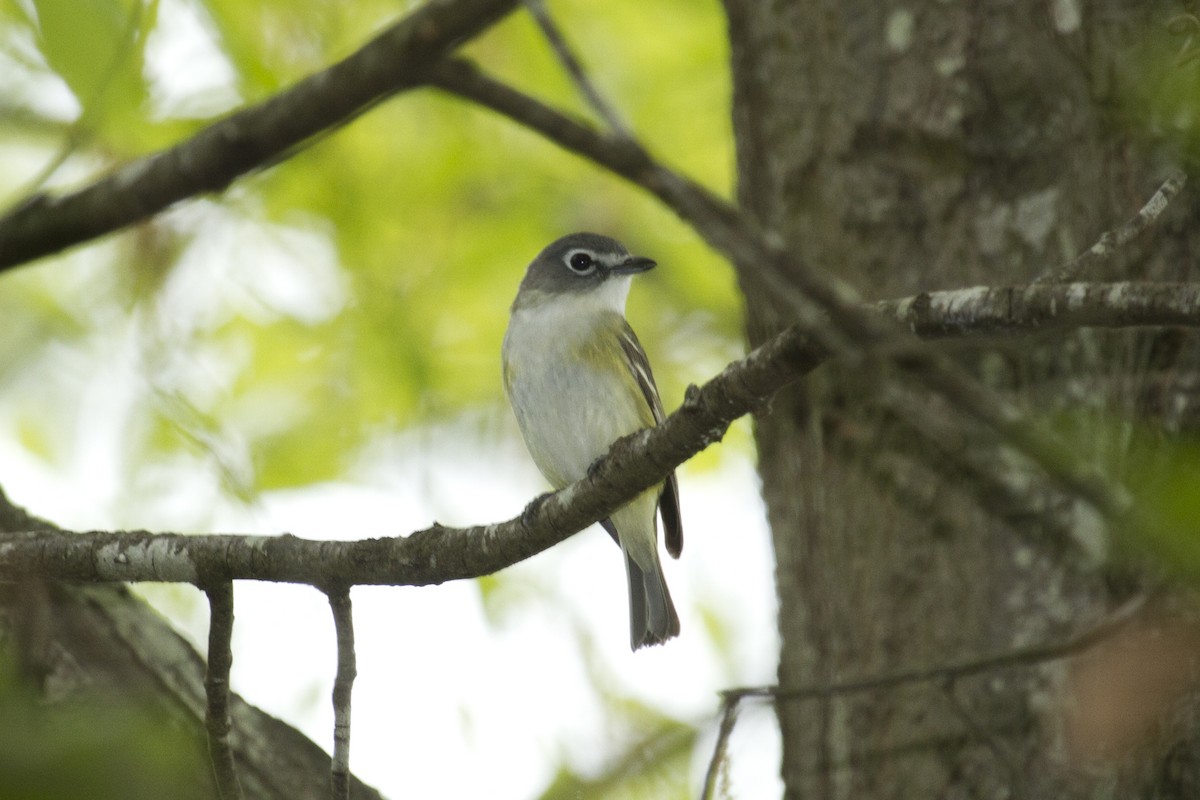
(581, 262)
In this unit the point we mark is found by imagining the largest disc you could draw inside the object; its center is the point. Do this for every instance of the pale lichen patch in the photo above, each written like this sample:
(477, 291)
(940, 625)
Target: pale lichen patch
(1067, 15)
(899, 31)
(1035, 216)
(155, 556)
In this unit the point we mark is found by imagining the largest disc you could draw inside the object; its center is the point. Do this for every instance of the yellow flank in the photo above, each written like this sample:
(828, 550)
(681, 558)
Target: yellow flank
(600, 349)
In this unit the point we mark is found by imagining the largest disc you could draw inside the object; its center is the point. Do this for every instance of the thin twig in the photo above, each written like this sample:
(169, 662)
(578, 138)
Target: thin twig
(216, 689)
(1116, 238)
(1017, 657)
(574, 68)
(729, 713)
(343, 684)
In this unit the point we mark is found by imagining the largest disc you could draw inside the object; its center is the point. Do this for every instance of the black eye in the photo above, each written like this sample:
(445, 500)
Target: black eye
(582, 263)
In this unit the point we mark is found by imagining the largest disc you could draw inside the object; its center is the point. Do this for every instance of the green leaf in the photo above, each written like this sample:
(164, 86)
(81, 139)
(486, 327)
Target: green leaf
(96, 46)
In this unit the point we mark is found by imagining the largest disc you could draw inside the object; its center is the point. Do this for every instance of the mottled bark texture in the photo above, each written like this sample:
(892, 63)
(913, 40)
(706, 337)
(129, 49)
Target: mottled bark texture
(915, 147)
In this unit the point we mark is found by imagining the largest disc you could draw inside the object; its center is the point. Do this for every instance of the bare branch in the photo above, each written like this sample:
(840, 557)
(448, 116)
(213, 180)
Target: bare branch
(634, 464)
(998, 310)
(343, 684)
(436, 554)
(216, 689)
(729, 714)
(574, 67)
(1030, 656)
(256, 136)
(1111, 240)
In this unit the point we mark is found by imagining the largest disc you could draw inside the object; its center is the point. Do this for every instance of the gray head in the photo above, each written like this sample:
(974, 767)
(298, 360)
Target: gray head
(577, 264)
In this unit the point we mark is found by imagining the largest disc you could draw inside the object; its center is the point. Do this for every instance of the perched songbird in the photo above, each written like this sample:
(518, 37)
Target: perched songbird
(578, 380)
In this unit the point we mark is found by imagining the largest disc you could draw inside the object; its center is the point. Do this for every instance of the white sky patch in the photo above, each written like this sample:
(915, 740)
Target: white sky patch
(239, 265)
(41, 90)
(189, 76)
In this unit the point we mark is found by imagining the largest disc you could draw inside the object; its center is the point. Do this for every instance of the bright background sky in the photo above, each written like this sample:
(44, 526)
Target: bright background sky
(317, 352)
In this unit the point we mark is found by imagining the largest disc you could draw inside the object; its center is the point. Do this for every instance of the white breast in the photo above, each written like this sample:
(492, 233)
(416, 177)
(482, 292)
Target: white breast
(569, 412)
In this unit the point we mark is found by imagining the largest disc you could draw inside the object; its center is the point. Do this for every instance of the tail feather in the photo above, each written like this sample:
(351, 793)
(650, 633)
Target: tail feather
(652, 616)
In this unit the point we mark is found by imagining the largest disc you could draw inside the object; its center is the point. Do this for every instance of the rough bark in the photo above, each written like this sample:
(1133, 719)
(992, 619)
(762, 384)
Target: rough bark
(912, 148)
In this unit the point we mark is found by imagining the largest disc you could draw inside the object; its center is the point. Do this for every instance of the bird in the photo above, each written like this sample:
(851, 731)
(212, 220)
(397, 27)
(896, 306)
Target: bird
(578, 379)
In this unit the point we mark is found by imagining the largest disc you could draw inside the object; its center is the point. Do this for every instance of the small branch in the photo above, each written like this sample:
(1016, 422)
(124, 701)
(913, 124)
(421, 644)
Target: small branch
(216, 689)
(1111, 240)
(256, 136)
(1008, 310)
(574, 68)
(343, 684)
(1030, 656)
(729, 714)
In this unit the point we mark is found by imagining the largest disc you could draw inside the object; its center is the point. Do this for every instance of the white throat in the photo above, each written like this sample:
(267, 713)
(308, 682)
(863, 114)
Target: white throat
(608, 296)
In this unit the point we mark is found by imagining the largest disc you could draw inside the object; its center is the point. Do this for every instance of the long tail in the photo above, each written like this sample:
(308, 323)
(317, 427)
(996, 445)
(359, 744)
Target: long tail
(652, 617)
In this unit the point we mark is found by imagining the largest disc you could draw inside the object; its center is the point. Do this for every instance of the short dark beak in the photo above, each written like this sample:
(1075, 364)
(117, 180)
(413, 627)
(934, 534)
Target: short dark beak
(632, 265)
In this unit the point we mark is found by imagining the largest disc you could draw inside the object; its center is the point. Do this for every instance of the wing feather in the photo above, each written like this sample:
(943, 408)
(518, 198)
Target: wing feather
(669, 500)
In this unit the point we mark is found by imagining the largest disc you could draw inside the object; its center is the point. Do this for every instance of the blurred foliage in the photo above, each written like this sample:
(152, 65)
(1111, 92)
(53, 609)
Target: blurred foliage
(361, 286)
(96, 749)
(1157, 88)
(655, 766)
(1163, 475)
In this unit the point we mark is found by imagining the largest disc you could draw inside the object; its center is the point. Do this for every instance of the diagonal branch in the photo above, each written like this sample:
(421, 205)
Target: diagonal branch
(574, 67)
(635, 463)
(395, 60)
(1112, 240)
(720, 756)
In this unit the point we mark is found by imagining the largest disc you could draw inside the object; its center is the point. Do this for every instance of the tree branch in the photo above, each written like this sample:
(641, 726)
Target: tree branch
(574, 67)
(1112, 240)
(1030, 656)
(343, 685)
(729, 713)
(256, 136)
(216, 689)
(635, 463)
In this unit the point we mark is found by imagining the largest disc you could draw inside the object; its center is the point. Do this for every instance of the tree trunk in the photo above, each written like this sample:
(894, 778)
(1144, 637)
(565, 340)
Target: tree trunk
(908, 148)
